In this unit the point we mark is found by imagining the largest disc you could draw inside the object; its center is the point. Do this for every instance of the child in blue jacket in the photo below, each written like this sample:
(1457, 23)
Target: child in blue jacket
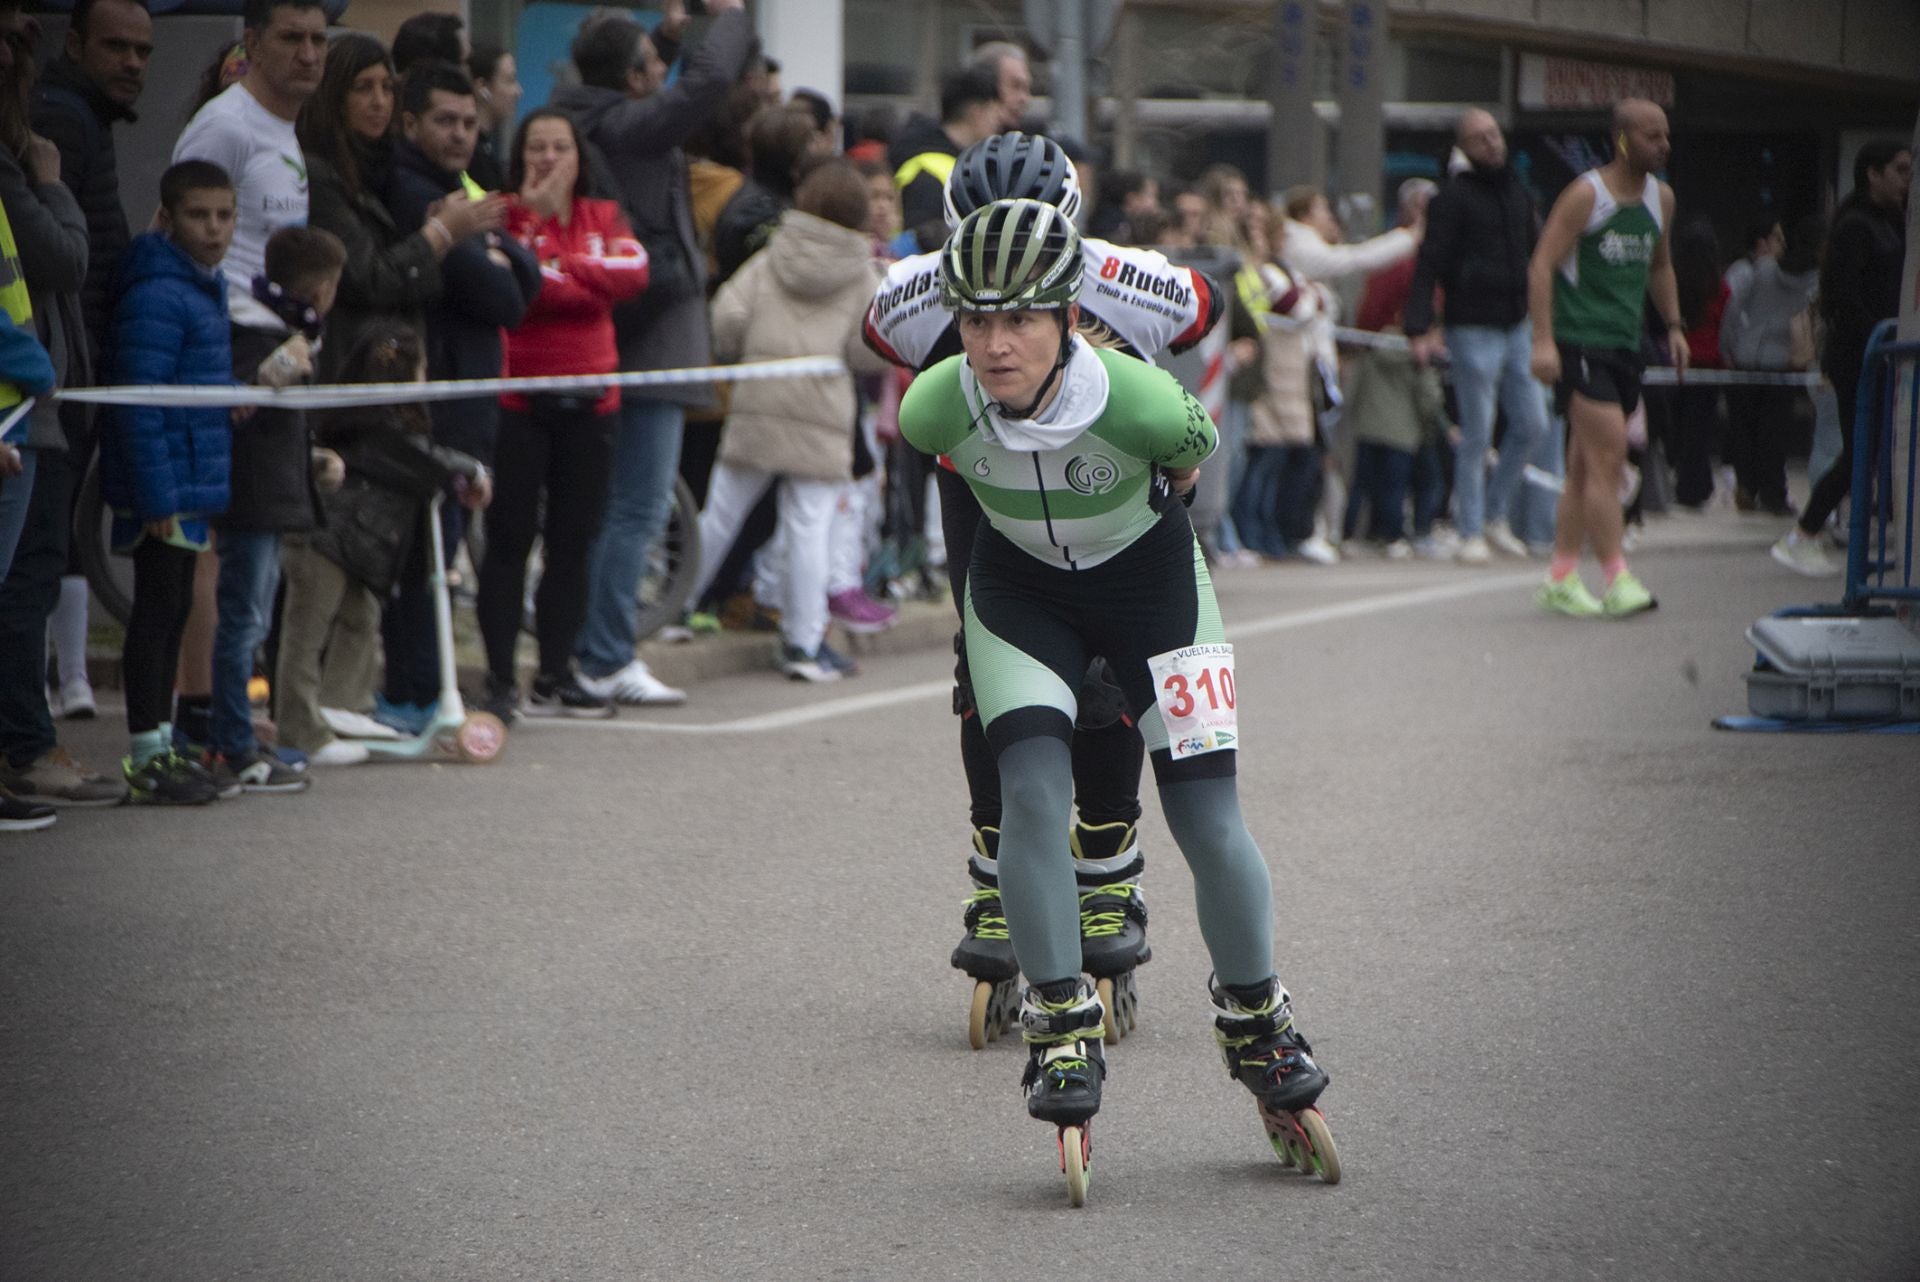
(164, 471)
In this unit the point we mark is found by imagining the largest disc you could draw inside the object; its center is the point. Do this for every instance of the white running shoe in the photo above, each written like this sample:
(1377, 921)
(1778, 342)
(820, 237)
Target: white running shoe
(634, 685)
(1398, 550)
(339, 752)
(353, 725)
(801, 666)
(76, 700)
(1502, 539)
(1474, 551)
(1804, 555)
(1318, 551)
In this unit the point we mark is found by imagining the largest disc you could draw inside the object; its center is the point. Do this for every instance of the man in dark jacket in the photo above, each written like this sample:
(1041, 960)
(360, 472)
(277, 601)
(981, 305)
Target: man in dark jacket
(78, 100)
(923, 155)
(634, 124)
(1481, 231)
(487, 283)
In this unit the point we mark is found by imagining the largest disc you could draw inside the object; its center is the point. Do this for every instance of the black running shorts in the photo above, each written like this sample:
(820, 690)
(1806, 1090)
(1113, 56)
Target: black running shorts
(1610, 375)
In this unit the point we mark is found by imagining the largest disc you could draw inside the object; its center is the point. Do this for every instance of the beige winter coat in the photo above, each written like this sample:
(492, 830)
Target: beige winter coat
(805, 294)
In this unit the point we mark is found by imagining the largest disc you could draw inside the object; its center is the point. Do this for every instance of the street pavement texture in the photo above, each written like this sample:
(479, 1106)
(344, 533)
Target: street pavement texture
(1603, 992)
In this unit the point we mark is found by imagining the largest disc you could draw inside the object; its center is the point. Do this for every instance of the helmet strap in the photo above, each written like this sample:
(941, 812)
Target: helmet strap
(1059, 363)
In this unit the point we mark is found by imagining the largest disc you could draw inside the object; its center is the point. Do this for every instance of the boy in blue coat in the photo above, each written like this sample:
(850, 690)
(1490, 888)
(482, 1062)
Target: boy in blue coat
(164, 471)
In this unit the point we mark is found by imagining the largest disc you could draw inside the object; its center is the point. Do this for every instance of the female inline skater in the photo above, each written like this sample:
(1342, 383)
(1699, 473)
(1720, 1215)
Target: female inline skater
(1076, 456)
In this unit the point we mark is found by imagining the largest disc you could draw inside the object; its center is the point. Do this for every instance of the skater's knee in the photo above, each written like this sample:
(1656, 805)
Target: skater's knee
(1036, 780)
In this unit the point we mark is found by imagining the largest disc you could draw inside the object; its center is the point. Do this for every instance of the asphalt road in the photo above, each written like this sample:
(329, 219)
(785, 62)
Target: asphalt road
(1605, 993)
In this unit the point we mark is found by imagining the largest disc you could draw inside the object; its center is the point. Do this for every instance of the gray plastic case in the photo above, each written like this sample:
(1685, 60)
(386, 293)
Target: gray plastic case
(1813, 668)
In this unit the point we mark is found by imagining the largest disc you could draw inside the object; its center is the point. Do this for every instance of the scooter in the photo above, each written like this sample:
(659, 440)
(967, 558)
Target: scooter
(452, 731)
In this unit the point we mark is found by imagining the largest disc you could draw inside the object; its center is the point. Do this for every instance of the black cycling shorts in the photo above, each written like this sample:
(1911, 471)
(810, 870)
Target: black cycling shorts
(1610, 375)
(1032, 628)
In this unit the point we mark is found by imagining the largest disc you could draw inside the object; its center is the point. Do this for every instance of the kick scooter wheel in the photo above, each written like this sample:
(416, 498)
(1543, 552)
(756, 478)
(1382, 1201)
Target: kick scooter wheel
(481, 738)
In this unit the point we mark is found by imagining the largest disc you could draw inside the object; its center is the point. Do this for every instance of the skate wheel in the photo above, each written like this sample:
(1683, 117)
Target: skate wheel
(1279, 1135)
(481, 738)
(980, 1019)
(1076, 1159)
(1116, 1027)
(1324, 1158)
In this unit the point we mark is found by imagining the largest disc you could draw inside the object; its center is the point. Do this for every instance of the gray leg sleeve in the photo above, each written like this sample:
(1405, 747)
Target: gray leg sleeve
(1231, 889)
(1037, 886)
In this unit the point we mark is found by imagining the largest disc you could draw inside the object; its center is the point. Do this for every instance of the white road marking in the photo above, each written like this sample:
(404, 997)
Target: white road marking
(827, 709)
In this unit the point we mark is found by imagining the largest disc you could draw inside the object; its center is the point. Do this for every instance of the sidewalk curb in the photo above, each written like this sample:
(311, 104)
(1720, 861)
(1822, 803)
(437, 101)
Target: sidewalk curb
(930, 625)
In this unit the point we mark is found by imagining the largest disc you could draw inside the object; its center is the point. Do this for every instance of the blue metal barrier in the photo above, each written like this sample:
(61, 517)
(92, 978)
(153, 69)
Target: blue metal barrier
(1871, 561)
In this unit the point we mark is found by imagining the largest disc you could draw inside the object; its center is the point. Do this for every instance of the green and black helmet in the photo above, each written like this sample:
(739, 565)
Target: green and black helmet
(1011, 256)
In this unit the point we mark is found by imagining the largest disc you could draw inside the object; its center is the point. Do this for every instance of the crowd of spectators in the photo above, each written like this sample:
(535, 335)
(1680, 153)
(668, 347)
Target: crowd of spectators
(343, 210)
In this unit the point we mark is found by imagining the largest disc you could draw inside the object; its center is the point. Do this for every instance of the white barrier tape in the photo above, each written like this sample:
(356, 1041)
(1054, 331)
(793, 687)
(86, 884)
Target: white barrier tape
(337, 395)
(1654, 376)
(14, 415)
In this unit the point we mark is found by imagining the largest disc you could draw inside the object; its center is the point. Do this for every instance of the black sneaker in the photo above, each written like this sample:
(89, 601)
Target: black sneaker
(256, 771)
(23, 816)
(562, 696)
(168, 780)
(502, 699)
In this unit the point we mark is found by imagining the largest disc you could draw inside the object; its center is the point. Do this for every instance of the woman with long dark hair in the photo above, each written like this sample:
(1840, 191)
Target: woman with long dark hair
(1859, 288)
(346, 130)
(559, 443)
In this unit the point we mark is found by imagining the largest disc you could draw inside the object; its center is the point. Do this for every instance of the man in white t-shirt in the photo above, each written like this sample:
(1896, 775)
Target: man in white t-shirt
(248, 131)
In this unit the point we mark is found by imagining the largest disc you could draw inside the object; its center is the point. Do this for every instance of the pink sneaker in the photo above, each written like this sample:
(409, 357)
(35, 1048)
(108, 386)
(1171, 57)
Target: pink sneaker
(855, 611)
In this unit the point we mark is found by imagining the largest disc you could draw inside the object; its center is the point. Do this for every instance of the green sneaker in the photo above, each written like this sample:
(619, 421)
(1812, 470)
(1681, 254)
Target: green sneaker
(1627, 595)
(1569, 596)
(167, 780)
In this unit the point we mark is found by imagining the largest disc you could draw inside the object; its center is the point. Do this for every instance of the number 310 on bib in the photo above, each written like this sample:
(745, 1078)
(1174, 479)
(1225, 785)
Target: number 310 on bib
(1194, 688)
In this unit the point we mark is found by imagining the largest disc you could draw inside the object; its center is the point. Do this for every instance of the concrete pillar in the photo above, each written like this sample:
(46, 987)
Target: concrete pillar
(1294, 129)
(1360, 89)
(806, 37)
(1126, 89)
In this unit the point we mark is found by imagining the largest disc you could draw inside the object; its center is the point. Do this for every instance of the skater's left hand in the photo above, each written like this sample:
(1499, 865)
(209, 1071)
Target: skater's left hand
(329, 471)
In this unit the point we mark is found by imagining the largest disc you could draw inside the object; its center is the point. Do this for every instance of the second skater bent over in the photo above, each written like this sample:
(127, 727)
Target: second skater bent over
(1077, 456)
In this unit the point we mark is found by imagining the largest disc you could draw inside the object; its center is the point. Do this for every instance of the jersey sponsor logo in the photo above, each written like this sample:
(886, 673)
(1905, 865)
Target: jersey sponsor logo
(1128, 276)
(1617, 249)
(1091, 474)
(918, 286)
(980, 468)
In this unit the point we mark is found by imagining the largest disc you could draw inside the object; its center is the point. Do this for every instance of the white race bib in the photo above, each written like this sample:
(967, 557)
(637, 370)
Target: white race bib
(1194, 688)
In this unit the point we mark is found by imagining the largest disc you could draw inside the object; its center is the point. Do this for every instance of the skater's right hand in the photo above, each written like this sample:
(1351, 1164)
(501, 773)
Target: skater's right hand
(1546, 362)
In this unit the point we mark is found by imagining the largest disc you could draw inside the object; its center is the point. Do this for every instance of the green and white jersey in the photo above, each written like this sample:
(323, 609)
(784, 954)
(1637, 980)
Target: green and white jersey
(1601, 286)
(1079, 485)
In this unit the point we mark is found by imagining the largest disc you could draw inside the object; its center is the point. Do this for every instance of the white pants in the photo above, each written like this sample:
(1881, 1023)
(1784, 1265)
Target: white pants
(806, 517)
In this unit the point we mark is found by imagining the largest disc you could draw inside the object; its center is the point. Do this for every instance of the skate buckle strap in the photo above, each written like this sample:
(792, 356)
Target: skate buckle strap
(1064, 1066)
(1043, 1025)
(1236, 1026)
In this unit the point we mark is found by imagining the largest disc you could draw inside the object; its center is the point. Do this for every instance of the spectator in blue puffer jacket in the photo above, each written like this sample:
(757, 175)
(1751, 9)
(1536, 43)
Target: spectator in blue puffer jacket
(165, 471)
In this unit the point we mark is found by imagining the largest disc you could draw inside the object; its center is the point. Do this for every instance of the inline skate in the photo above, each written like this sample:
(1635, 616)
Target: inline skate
(1254, 1026)
(1061, 1023)
(985, 953)
(1107, 863)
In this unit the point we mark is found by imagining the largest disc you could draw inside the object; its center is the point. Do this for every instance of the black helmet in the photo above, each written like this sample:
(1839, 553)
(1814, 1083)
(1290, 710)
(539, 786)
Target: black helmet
(1012, 166)
(1011, 256)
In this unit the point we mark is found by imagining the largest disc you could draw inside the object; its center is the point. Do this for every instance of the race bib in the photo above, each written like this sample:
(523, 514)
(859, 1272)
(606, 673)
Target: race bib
(1194, 688)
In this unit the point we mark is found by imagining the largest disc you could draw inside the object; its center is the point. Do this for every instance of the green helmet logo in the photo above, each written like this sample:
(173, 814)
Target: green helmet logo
(1011, 256)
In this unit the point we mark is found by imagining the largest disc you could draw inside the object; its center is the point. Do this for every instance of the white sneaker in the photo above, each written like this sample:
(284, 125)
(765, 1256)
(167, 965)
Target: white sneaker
(1319, 551)
(76, 700)
(1398, 550)
(1474, 551)
(801, 666)
(1431, 548)
(634, 685)
(339, 752)
(1804, 556)
(1500, 536)
(353, 725)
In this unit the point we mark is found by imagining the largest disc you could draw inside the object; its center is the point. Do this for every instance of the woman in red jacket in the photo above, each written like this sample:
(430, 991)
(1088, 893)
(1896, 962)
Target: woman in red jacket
(559, 442)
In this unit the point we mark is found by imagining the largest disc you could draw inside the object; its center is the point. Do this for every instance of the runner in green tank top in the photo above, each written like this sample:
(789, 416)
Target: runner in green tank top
(1601, 254)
